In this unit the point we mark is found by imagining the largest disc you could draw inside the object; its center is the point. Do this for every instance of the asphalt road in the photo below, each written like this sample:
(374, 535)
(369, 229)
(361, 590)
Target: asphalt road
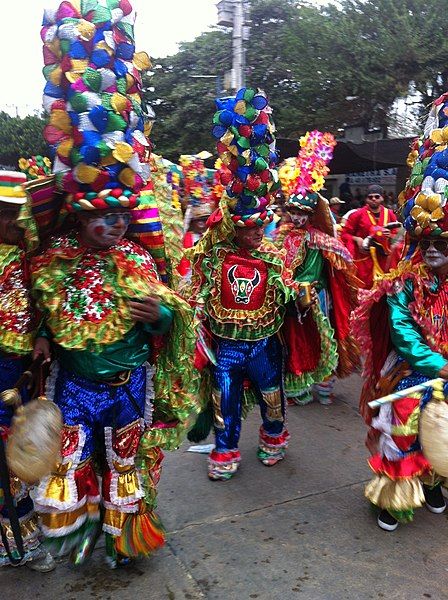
(300, 530)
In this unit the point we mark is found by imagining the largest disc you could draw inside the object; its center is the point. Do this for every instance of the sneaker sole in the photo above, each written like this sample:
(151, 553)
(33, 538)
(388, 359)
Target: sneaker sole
(437, 510)
(386, 526)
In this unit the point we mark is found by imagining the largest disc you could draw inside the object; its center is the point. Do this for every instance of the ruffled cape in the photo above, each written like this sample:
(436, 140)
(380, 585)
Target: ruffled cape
(128, 274)
(343, 287)
(370, 324)
(15, 337)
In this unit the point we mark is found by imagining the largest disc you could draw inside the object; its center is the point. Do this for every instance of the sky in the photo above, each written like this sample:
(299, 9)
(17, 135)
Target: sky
(160, 26)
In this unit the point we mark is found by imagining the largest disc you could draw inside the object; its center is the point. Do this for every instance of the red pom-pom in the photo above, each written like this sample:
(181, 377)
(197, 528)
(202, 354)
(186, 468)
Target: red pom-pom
(262, 119)
(226, 177)
(265, 176)
(237, 187)
(77, 137)
(252, 183)
(125, 6)
(245, 130)
(66, 64)
(221, 148)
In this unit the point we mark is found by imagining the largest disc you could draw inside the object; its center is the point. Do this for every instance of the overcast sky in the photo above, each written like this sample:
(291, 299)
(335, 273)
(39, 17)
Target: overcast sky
(160, 26)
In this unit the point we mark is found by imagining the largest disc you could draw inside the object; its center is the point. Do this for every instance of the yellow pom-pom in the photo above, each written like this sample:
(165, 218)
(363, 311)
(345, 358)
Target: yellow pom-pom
(123, 152)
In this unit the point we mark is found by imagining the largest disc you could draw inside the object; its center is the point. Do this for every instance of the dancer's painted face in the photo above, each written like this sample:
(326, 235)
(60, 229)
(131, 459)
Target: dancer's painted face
(102, 229)
(249, 238)
(435, 253)
(198, 225)
(10, 232)
(299, 218)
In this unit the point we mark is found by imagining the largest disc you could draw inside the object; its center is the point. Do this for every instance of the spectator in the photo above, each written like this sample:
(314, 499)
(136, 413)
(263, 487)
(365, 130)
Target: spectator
(367, 234)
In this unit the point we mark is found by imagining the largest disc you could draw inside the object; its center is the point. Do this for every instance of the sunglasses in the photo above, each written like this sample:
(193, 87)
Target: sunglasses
(111, 219)
(439, 245)
(374, 196)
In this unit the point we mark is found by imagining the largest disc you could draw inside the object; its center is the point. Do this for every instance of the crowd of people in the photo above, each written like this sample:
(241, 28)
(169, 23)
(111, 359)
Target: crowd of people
(138, 342)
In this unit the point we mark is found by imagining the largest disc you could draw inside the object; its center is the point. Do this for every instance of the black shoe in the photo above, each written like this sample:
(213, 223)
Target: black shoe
(435, 502)
(386, 521)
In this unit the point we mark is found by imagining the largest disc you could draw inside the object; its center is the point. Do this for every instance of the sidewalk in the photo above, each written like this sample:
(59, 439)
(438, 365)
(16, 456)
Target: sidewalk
(300, 530)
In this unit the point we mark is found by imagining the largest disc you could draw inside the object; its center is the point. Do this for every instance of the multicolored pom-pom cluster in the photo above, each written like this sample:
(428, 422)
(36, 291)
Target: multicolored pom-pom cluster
(35, 167)
(246, 145)
(195, 179)
(424, 199)
(304, 175)
(93, 94)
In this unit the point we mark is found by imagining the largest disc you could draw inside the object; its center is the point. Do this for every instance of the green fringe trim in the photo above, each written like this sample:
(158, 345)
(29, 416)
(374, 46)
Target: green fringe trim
(60, 546)
(403, 516)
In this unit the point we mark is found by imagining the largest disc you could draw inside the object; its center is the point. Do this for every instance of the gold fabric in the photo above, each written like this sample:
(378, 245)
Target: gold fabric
(217, 414)
(395, 495)
(274, 405)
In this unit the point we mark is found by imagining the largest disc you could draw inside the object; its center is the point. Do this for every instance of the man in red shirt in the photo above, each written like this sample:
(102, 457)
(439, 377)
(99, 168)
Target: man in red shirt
(367, 234)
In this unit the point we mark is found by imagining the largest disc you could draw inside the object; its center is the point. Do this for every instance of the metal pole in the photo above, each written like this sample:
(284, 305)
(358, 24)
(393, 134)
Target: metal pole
(237, 45)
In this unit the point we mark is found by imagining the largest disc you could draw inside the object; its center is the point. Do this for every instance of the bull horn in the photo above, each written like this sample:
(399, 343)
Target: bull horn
(231, 274)
(256, 279)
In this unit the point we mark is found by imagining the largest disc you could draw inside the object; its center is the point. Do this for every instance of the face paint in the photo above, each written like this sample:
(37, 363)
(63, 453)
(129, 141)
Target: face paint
(435, 257)
(98, 233)
(298, 218)
(99, 230)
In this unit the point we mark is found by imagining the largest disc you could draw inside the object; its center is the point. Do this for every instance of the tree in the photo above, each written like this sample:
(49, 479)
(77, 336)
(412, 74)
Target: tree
(21, 137)
(183, 103)
(322, 67)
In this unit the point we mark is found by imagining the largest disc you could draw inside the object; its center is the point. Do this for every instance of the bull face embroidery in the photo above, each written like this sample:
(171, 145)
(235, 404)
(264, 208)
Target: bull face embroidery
(242, 287)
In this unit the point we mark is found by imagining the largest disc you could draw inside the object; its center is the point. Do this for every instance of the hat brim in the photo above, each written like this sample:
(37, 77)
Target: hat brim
(11, 200)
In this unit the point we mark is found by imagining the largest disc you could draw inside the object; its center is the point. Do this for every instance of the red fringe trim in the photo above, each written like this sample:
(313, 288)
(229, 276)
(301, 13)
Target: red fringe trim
(412, 465)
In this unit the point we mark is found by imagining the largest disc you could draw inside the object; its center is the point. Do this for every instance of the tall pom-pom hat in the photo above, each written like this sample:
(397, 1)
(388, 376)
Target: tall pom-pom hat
(423, 202)
(245, 138)
(303, 177)
(93, 95)
(197, 187)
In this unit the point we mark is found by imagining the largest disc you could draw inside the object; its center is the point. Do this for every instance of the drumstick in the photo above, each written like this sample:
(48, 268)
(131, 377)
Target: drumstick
(415, 389)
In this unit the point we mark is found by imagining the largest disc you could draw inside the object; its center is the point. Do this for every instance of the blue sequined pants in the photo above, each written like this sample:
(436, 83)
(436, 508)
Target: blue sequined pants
(261, 362)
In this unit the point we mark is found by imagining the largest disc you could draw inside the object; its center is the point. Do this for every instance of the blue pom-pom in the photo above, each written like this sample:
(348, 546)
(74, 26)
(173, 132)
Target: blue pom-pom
(54, 91)
(120, 69)
(90, 155)
(226, 118)
(98, 115)
(100, 58)
(125, 51)
(78, 51)
(218, 131)
(259, 101)
(243, 173)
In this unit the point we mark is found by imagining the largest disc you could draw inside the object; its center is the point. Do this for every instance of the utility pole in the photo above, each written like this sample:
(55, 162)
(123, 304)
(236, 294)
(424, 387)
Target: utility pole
(233, 13)
(238, 75)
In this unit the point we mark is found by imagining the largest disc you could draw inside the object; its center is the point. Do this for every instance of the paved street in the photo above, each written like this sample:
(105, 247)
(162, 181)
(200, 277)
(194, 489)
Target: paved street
(301, 530)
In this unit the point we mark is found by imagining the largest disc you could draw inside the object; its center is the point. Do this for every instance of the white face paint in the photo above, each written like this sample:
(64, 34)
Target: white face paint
(298, 218)
(435, 259)
(103, 231)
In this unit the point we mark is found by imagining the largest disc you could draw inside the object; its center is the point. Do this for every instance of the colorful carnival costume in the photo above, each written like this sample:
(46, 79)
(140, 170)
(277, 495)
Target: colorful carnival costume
(317, 337)
(124, 392)
(241, 291)
(377, 255)
(16, 342)
(402, 327)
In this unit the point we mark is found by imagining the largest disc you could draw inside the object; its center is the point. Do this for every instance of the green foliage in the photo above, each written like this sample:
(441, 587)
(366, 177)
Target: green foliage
(322, 66)
(20, 137)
